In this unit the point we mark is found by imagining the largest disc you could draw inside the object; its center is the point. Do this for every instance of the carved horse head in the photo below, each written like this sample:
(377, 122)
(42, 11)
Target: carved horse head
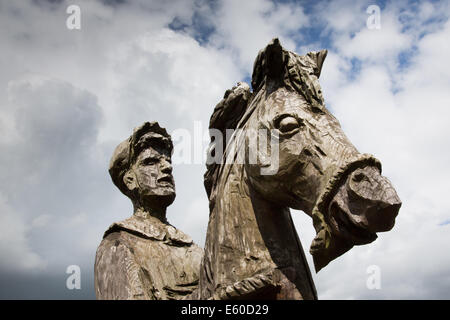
(251, 240)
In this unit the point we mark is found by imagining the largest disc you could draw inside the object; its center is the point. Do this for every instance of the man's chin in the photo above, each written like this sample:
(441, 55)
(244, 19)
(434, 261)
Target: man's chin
(163, 198)
(168, 199)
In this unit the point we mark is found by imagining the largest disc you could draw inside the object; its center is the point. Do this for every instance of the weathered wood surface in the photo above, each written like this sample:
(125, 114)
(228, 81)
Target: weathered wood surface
(144, 257)
(252, 249)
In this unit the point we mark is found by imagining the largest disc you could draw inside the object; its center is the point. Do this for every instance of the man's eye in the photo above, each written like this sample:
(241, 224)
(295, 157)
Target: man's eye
(150, 161)
(287, 124)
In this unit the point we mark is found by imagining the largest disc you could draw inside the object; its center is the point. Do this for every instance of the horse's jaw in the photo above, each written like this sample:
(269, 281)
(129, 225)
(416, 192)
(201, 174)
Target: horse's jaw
(356, 203)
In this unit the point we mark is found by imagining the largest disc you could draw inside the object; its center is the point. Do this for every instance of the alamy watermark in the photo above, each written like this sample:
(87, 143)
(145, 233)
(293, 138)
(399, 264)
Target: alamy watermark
(374, 279)
(374, 20)
(73, 21)
(241, 146)
(74, 280)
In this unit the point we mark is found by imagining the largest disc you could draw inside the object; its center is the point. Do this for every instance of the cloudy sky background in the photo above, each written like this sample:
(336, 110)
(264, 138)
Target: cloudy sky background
(68, 97)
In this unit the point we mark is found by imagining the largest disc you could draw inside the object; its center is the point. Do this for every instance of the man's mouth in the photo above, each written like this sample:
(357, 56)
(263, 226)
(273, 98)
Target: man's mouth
(165, 180)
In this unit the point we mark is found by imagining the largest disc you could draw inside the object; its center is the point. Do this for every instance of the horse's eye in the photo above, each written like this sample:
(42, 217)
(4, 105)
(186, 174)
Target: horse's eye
(288, 124)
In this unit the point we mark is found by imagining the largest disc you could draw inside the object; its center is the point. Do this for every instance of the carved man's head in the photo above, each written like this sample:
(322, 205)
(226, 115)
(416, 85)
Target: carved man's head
(141, 167)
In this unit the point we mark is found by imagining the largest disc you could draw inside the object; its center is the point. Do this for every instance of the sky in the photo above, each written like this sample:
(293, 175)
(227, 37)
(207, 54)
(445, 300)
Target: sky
(69, 96)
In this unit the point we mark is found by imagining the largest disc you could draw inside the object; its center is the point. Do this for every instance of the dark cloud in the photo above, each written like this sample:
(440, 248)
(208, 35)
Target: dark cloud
(56, 129)
(53, 169)
(114, 3)
(38, 286)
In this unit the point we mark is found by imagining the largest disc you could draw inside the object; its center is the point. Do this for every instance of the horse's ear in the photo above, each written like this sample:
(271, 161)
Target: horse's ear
(318, 58)
(269, 64)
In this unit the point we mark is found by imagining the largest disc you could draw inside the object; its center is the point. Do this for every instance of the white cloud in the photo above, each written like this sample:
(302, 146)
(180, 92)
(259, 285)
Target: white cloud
(194, 219)
(41, 221)
(245, 27)
(343, 16)
(397, 112)
(165, 76)
(14, 248)
(379, 45)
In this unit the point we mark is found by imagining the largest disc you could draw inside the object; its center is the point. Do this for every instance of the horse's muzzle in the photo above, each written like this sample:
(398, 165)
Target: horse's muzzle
(365, 204)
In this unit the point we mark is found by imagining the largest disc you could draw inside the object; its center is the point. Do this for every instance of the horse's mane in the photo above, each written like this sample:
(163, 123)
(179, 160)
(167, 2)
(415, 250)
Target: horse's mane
(274, 67)
(226, 115)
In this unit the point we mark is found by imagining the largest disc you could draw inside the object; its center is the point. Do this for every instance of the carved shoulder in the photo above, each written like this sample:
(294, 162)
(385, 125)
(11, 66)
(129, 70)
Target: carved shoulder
(117, 275)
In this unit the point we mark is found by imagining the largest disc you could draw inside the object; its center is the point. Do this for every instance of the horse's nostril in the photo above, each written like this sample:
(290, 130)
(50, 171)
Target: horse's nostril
(367, 183)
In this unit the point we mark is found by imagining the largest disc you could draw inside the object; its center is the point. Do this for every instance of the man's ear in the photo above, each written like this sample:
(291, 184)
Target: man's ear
(129, 179)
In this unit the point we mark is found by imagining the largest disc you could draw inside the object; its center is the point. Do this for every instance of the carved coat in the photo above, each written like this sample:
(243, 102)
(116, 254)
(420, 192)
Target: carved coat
(144, 258)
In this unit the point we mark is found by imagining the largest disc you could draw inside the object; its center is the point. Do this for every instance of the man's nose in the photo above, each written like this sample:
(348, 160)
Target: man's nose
(166, 166)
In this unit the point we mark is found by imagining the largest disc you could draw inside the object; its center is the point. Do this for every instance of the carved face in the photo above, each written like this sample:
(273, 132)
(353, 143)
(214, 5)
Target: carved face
(311, 144)
(313, 150)
(151, 176)
(317, 169)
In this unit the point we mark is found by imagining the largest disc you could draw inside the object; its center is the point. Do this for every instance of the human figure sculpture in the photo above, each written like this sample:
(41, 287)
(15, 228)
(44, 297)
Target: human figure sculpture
(252, 250)
(144, 257)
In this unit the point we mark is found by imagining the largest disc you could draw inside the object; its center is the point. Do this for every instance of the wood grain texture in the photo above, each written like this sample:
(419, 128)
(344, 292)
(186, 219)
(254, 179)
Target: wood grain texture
(145, 257)
(252, 249)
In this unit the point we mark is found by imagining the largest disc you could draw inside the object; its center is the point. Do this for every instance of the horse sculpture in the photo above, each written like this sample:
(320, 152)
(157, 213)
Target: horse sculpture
(252, 249)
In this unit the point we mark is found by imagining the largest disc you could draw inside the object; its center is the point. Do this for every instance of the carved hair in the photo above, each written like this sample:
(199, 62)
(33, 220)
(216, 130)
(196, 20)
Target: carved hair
(276, 67)
(126, 152)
